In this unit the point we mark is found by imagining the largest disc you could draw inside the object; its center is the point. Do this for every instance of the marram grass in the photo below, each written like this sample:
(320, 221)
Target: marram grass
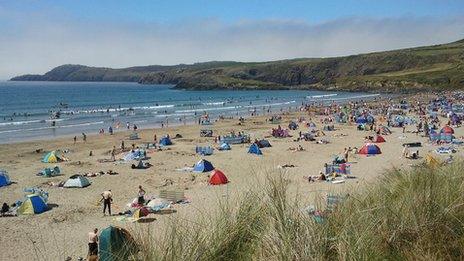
(405, 215)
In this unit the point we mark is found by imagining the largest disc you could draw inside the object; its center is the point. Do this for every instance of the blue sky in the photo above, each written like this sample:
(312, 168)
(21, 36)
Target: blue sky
(229, 11)
(38, 35)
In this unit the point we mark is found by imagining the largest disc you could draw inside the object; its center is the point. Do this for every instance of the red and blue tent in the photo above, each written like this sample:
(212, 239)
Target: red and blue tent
(370, 149)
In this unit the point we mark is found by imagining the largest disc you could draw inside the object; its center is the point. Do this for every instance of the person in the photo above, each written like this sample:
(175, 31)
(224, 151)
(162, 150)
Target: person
(122, 145)
(5, 208)
(107, 198)
(93, 242)
(75, 139)
(345, 154)
(406, 151)
(113, 153)
(110, 130)
(141, 195)
(84, 137)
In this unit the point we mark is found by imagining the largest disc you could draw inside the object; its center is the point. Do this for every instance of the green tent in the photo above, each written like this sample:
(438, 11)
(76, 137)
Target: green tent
(116, 244)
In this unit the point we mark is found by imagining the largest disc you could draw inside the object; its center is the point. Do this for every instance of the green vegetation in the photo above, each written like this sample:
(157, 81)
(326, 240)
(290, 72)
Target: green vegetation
(438, 67)
(406, 215)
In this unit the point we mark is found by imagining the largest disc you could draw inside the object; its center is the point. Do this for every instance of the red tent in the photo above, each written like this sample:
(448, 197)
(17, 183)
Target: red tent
(379, 139)
(447, 130)
(218, 178)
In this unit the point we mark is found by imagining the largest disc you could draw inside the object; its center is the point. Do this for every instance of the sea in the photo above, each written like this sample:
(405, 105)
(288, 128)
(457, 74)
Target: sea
(45, 110)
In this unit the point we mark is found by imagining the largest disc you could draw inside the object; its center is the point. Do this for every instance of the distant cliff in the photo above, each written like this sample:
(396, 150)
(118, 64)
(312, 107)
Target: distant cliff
(422, 68)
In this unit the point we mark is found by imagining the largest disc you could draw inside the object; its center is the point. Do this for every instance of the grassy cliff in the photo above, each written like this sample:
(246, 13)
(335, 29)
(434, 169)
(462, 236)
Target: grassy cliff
(437, 67)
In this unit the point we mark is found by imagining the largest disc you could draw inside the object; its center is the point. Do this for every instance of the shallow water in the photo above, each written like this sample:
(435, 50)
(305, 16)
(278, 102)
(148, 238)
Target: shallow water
(26, 108)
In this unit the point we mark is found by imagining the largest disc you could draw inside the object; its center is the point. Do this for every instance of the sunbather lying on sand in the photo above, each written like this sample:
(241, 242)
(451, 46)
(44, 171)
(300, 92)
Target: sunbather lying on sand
(299, 148)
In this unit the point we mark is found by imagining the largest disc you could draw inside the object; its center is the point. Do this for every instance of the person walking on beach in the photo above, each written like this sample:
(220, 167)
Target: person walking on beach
(107, 198)
(93, 243)
(141, 196)
(84, 137)
(75, 139)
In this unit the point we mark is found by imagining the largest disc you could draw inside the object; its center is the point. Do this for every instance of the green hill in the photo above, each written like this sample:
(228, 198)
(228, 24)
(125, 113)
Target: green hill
(437, 67)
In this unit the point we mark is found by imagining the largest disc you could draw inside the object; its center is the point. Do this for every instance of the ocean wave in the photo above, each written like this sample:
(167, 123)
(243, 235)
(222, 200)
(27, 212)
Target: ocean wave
(54, 127)
(354, 97)
(156, 107)
(12, 123)
(213, 103)
(321, 96)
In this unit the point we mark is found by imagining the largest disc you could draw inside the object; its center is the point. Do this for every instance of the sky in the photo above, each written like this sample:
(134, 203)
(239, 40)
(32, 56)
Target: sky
(37, 35)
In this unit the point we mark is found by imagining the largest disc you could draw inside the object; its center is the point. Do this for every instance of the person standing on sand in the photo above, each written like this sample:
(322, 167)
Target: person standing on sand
(122, 145)
(84, 137)
(113, 153)
(75, 139)
(107, 198)
(93, 243)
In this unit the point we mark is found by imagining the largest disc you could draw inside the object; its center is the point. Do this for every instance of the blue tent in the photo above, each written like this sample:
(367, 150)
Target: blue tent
(224, 146)
(34, 204)
(203, 166)
(254, 149)
(4, 179)
(165, 141)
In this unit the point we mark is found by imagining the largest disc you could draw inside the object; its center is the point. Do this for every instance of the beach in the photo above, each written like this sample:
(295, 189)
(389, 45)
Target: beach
(62, 231)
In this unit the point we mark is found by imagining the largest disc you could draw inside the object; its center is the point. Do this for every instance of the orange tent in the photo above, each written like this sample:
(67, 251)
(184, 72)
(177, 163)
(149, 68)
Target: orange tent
(218, 178)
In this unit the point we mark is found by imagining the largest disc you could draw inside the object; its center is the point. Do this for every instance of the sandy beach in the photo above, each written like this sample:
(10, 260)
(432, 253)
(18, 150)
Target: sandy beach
(62, 231)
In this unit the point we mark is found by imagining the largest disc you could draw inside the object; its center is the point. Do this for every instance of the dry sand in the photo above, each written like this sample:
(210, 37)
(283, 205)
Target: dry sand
(62, 231)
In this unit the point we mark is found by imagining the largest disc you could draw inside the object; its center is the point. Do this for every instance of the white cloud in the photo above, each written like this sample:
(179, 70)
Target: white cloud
(35, 44)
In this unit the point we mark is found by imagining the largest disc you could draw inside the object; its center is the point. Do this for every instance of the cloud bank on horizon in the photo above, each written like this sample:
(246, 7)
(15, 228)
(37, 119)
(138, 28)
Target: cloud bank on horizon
(37, 44)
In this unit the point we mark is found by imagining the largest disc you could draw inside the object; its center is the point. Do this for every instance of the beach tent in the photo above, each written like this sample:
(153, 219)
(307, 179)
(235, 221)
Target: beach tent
(254, 149)
(224, 146)
(369, 149)
(264, 144)
(77, 181)
(116, 244)
(379, 139)
(134, 155)
(165, 141)
(4, 179)
(218, 178)
(51, 157)
(34, 204)
(140, 212)
(447, 130)
(203, 166)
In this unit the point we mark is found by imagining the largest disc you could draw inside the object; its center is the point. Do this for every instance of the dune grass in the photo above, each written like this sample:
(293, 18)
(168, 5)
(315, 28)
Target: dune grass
(412, 215)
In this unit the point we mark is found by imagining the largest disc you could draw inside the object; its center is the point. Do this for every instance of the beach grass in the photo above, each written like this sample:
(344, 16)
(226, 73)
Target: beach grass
(413, 214)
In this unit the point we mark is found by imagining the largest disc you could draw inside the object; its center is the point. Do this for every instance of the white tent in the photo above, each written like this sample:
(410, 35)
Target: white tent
(77, 181)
